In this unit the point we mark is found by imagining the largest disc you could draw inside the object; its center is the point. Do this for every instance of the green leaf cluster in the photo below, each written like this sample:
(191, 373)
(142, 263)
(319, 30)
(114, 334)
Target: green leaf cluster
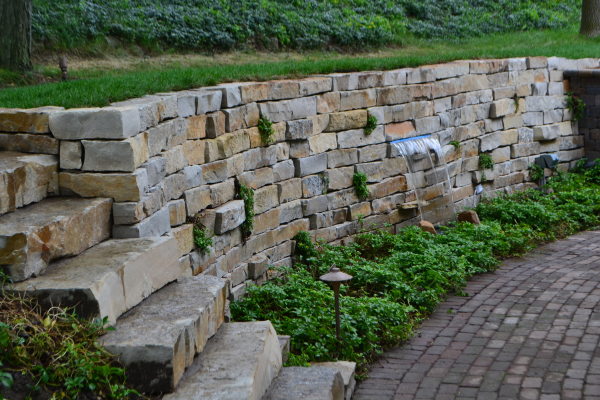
(486, 161)
(536, 172)
(360, 185)
(265, 128)
(575, 105)
(202, 238)
(371, 124)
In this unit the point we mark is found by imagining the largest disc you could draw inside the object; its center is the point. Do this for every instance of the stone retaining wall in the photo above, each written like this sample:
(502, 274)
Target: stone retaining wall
(171, 155)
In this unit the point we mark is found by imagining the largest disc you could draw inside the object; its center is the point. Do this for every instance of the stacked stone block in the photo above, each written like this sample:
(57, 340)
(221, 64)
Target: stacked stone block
(169, 156)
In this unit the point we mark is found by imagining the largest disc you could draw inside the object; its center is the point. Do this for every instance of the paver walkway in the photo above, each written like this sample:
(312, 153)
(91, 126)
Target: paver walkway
(528, 331)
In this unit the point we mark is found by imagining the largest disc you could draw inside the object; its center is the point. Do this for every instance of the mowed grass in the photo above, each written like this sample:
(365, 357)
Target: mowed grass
(99, 87)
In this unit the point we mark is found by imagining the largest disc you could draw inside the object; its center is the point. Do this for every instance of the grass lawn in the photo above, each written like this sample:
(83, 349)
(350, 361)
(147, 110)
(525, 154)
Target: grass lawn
(103, 83)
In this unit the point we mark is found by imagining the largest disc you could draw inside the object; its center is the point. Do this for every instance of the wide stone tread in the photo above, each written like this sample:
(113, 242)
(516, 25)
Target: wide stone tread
(315, 383)
(25, 179)
(238, 363)
(108, 279)
(33, 236)
(159, 338)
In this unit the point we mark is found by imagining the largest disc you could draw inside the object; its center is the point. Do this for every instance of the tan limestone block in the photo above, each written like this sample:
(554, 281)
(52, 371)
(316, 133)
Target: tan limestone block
(177, 215)
(222, 192)
(233, 143)
(266, 221)
(197, 199)
(359, 210)
(401, 130)
(321, 143)
(289, 190)
(215, 124)
(509, 137)
(193, 152)
(176, 159)
(328, 102)
(320, 123)
(254, 91)
(339, 178)
(347, 120)
(119, 186)
(123, 155)
(358, 99)
(33, 120)
(196, 127)
(265, 198)
(26, 143)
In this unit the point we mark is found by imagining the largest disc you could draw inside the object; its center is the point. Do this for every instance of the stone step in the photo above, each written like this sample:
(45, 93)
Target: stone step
(314, 383)
(159, 338)
(26, 178)
(347, 369)
(55, 227)
(108, 279)
(238, 363)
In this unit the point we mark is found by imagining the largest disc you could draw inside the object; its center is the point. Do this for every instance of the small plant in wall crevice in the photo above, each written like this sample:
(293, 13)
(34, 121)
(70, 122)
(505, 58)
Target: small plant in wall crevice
(247, 194)
(575, 105)
(265, 128)
(202, 238)
(455, 143)
(486, 161)
(371, 124)
(360, 185)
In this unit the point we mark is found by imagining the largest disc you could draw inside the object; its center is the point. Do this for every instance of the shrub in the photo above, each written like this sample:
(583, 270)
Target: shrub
(536, 172)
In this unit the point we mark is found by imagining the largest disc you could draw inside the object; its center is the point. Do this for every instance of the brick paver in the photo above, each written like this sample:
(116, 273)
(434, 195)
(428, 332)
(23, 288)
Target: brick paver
(527, 331)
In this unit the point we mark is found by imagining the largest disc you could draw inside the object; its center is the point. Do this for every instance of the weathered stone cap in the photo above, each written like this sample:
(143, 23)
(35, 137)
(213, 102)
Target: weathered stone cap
(239, 362)
(95, 123)
(315, 383)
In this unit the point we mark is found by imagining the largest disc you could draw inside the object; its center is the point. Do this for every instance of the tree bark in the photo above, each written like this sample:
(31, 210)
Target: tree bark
(15, 34)
(590, 18)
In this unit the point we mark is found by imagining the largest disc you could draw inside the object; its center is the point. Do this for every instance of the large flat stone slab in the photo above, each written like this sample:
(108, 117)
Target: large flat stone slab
(26, 179)
(238, 363)
(315, 383)
(56, 227)
(120, 186)
(95, 123)
(108, 279)
(159, 338)
(34, 120)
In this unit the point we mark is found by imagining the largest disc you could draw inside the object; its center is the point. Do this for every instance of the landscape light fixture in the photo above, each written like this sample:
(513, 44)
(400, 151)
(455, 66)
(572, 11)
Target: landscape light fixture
(336, 277)
(63, 64)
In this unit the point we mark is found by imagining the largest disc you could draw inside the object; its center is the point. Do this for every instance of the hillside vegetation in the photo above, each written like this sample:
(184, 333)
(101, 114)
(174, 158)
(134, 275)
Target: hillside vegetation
(296, 24)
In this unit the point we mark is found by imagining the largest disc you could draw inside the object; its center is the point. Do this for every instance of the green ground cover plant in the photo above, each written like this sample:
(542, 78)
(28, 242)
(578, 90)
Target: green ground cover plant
(54, 353)
(486, 161)
(265, 128)
(247, 194)
(301, 24)
(400, 279)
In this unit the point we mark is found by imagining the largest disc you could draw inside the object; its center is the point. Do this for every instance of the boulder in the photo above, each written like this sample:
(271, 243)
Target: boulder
(427, 226)
(469, 216)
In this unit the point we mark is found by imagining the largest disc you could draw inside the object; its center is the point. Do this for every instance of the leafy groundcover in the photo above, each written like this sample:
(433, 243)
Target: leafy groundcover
(400, 279)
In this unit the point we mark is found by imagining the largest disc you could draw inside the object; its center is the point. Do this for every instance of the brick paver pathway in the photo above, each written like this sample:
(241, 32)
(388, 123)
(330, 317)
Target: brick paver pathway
(528, 331)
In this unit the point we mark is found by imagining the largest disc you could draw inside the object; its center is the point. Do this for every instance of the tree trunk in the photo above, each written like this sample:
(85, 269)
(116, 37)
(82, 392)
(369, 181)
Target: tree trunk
(15, 34)
(590, 18)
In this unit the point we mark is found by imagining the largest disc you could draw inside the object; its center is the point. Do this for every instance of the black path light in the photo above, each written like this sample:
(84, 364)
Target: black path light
(336, 277)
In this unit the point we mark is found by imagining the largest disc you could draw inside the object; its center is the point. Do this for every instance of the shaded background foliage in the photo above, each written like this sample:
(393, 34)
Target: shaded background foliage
(299, 24)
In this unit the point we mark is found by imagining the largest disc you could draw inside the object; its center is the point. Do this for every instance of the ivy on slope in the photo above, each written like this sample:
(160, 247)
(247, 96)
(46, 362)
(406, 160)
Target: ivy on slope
(400, 279)
(301, 24)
